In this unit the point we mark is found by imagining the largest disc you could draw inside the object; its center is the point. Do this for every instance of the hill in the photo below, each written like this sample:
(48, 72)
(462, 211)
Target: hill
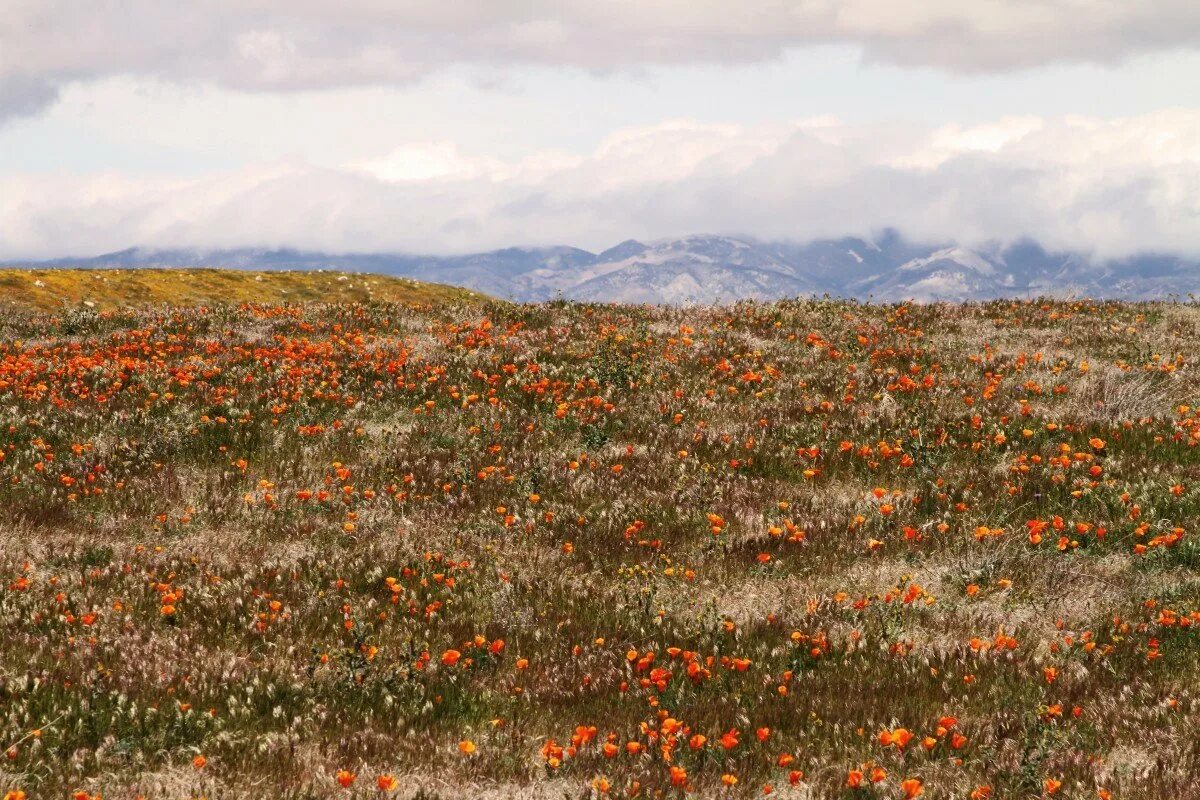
(107, 289)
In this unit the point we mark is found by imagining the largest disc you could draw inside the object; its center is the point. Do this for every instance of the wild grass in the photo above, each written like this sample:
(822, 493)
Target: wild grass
(448, 547)
(64, 290)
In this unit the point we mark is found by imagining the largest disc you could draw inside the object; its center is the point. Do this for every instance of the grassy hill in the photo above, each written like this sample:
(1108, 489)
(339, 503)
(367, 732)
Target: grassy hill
(54, 289)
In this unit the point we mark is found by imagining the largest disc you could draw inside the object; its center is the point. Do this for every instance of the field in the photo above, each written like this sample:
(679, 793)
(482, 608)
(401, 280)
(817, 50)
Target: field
(448, 547)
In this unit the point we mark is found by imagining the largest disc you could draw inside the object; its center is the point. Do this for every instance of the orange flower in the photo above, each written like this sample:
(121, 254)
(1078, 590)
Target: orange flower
(911, 788)
(386, 783)
(1052, 785)
(899, 738)
(451, 657)
(854, 778)
(345, 778)
(679, 776)
(466, 747)
(728, 779)
(199, 761)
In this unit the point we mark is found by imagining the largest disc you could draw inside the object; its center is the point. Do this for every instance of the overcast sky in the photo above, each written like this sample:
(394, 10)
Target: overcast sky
(368, 125)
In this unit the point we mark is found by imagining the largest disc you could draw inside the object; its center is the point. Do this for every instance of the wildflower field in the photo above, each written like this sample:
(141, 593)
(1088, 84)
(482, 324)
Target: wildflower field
(473, 549)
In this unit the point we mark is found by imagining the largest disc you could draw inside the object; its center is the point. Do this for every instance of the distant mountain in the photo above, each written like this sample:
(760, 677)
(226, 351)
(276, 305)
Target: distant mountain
(714, 269)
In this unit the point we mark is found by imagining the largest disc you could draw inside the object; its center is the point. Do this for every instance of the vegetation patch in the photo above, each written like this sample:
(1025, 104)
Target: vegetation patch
(408, 541)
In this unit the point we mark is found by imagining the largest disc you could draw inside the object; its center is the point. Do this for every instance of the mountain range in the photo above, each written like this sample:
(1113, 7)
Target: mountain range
(716, 269)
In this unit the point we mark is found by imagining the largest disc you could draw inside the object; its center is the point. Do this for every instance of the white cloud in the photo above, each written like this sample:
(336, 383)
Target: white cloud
(306, 44)
(424, 161)
(1113, 186)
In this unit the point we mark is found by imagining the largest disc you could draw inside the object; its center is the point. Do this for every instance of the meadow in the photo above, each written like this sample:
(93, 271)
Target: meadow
(448, 547)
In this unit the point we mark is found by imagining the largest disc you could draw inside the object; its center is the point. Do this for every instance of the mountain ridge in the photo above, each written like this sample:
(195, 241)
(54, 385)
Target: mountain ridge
(707, 268)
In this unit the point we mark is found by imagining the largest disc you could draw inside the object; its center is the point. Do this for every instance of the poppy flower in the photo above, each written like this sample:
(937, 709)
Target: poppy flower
(898, 738)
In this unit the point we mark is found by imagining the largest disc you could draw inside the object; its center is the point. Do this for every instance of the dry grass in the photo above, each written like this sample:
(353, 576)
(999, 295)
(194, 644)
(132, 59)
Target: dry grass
(109, 289)
(259, 533)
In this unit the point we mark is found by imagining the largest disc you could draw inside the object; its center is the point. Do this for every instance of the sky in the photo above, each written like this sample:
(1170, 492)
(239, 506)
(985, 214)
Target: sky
(464, 125)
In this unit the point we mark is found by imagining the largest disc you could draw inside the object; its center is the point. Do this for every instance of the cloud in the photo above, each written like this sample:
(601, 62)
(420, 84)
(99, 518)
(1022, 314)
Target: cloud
(312, 44)
(22, 95)
(423, 161)
(1108, 186)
